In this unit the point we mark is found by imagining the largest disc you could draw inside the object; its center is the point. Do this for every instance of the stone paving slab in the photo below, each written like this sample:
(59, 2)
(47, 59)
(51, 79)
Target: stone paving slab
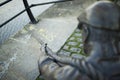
(18, 57)
(53, 31)
(12, 8)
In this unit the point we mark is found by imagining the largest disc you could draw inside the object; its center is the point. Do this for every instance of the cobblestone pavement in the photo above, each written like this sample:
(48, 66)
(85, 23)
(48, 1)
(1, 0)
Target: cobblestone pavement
(73, 45)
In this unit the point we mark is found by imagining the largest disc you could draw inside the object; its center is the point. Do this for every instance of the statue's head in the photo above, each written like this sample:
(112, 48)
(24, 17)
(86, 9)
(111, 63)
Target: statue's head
(100, 23)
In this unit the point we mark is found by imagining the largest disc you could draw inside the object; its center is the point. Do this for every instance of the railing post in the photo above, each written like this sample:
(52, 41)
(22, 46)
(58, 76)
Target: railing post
(33, 20)
(1, 4)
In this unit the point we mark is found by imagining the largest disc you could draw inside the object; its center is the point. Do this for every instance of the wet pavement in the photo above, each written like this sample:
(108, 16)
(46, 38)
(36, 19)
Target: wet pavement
(48, 31)
(12, 8)
(56, 27)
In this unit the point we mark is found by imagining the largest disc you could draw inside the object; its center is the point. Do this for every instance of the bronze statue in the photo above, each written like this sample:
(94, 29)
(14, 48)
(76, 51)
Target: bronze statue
(100, 24)
(115, 1)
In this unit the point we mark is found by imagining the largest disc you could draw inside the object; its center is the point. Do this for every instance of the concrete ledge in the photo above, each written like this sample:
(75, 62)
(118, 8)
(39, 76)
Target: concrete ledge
(54, 31)
(19, 56)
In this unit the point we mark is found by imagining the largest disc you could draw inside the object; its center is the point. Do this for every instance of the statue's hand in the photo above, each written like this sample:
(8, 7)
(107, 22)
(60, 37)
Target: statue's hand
(43, 55)
(45, 52)
(43, 59)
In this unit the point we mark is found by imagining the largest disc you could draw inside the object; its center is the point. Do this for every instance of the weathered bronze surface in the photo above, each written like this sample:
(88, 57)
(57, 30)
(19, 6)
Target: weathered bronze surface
(101, 39)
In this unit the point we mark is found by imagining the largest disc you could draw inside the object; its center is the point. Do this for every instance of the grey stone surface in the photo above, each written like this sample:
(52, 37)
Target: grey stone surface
(72, 38)
(67, 9)
(66, 47)
(20, 53)
(12, 8)
(77, 35)
(80, 45)
(20, 56)
(72, 43)
(74, 49)
(77, 31)
(54, 31)
(79, 39)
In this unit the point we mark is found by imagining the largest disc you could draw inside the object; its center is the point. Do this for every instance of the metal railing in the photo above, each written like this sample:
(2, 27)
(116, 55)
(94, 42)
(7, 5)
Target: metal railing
(28, 10)
(1, 4)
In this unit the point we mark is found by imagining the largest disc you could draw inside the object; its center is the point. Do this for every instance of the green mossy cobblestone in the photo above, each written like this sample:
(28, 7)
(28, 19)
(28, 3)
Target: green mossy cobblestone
(73, 43)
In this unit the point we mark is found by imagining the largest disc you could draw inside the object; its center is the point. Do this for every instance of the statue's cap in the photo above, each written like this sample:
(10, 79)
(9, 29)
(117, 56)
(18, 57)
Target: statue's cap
(102, 14)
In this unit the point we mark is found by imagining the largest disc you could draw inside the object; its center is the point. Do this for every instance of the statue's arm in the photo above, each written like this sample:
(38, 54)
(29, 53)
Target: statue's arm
(50, 70)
